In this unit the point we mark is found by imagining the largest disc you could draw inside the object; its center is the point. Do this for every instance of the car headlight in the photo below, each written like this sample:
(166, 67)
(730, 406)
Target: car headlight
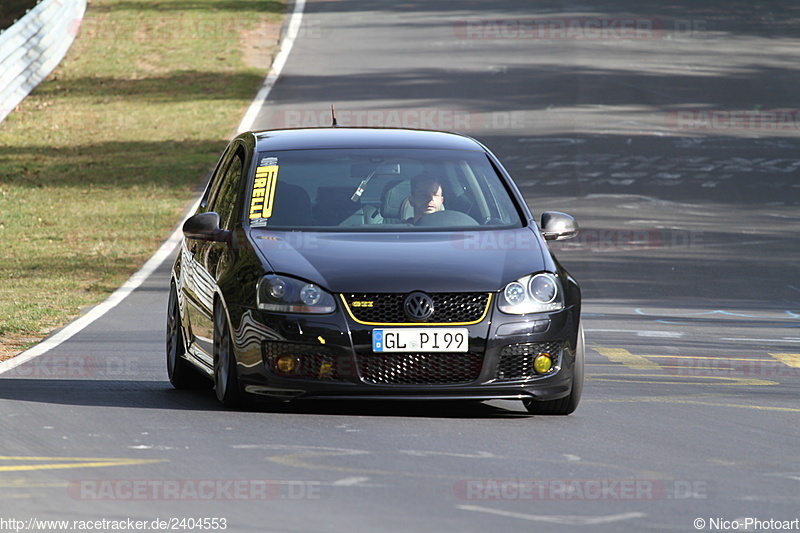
(537, 293)
(290, 295)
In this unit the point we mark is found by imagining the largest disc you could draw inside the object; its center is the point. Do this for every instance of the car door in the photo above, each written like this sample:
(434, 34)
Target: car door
(202, 258)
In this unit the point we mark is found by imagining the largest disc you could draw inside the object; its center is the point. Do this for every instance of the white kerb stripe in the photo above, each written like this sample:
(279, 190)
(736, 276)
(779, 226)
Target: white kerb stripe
(277, 67)
(99, 310)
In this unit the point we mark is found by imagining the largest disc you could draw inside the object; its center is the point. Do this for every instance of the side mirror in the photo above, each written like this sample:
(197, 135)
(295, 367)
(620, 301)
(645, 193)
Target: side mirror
(558, 226)
(205, 227)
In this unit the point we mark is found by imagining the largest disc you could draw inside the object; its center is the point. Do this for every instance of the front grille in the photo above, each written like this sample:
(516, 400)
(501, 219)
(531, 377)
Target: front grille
(313, 361)
(516, 361)
(448, 308)
(419, 368)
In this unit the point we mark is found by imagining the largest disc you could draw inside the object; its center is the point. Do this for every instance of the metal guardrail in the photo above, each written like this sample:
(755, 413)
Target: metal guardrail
(34, 46)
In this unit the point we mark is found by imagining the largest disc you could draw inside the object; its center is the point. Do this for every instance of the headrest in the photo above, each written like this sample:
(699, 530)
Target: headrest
(392, 199)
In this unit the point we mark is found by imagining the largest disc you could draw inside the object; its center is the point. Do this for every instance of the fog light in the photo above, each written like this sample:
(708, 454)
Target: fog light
(543, 363)
(286, 364)
(326, 370)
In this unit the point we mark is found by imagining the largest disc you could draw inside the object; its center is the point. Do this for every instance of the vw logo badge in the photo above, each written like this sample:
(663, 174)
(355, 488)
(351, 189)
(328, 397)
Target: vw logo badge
(418, 306)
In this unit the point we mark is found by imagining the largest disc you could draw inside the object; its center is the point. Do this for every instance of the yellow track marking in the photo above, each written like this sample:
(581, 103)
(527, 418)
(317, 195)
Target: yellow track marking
(789, 359)
(314, 460)
(302, 460)
(622, 378)
(706, 357)
(621, 355)
(665, 399)
(642, 362)
(25, 484)
(59, 463)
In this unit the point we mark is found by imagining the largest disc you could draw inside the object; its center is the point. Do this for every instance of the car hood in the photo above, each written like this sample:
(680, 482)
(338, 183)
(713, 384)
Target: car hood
(465, 261)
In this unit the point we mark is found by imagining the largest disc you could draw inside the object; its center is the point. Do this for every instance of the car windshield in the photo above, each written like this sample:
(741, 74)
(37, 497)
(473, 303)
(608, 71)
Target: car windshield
(378, 190)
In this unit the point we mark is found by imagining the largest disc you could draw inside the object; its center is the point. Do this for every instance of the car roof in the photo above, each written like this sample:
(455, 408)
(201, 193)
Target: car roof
(345, 137)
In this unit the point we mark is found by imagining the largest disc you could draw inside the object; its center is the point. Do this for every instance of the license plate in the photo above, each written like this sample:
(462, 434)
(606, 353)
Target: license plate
(420, 340)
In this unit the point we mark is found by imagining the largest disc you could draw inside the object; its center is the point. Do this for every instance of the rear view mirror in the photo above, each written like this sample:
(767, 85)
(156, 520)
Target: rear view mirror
(558, 226)
(205, 227)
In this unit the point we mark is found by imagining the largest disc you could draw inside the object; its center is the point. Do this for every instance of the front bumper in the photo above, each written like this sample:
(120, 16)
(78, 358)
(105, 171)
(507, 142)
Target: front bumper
(334, 359)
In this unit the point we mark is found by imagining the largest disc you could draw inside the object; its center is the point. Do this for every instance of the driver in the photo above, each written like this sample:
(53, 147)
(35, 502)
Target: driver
(426, 196)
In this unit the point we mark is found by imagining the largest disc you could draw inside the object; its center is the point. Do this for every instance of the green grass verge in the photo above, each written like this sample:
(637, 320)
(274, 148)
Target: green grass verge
(97, 164)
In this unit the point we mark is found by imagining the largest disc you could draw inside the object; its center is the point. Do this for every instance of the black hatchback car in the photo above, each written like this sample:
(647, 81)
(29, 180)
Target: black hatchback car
(372, 263)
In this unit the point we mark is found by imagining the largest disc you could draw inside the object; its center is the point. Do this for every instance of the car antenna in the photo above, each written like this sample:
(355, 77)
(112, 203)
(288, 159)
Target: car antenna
(333, 117)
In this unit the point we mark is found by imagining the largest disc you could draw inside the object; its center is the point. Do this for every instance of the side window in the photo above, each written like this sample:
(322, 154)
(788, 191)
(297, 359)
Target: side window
(214, 182)
(223, 200)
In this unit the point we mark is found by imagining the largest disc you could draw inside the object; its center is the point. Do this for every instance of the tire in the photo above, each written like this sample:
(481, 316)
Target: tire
(568, 404)
(181, 373)
(226, 380)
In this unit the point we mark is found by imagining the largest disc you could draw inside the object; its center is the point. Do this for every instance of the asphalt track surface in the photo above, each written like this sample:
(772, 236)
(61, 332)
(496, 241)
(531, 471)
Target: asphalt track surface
(688, 262)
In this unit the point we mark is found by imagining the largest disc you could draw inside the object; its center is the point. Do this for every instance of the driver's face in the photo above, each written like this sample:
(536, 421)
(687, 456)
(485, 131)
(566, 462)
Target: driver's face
(427, 202)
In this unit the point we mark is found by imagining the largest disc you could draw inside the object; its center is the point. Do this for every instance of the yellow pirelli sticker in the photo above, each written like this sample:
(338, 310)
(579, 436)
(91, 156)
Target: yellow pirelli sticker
(263, 192)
